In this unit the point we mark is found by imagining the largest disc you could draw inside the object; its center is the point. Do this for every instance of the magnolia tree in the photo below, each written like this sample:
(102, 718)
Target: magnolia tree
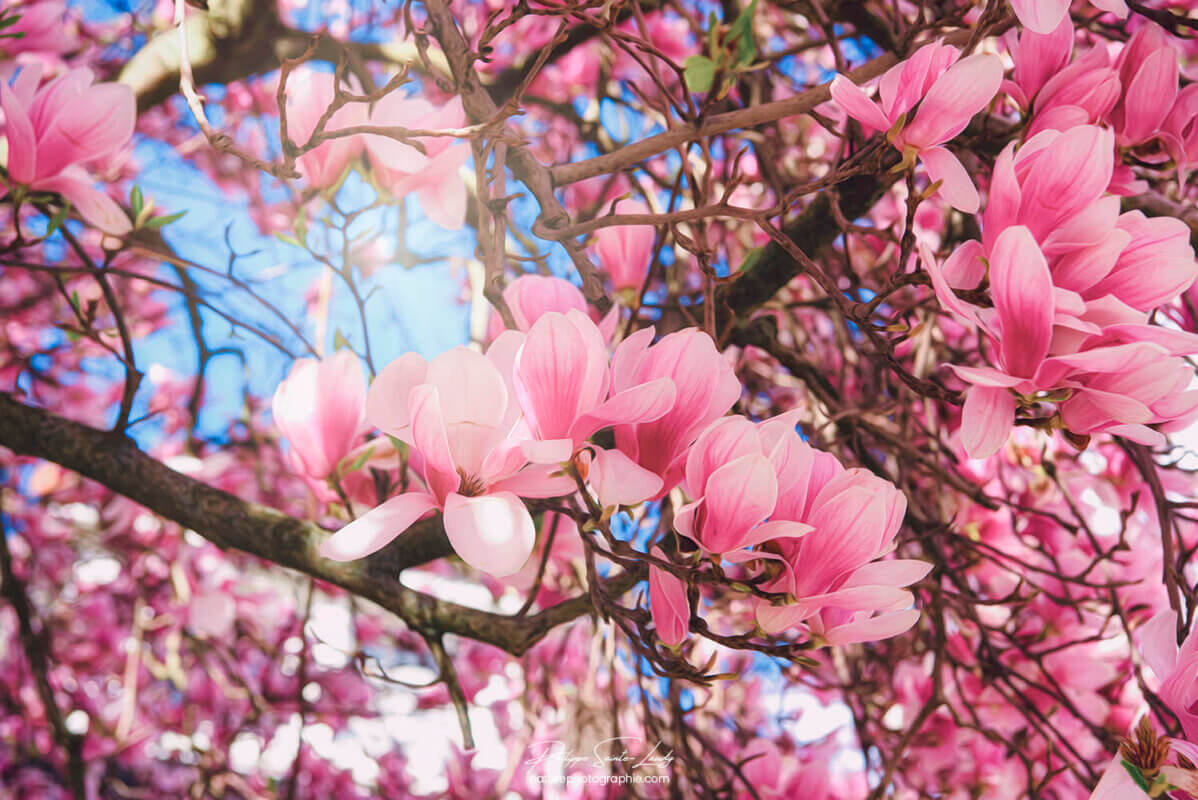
(458, 398)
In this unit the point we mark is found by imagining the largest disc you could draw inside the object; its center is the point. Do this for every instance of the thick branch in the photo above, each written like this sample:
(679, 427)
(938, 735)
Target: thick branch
(230, 522)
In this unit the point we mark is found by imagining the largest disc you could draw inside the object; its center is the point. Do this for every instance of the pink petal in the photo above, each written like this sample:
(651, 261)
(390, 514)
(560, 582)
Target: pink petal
(377, 527)
(1117, 783)
(896, 572)
(738, 496)
(95, 206)
(548, 451)
(668, 604)
(962, 91)
(1150, 96)
(620, 481)
(1002, 205)
(967, 312)
(1022, 289)
(471, 387)
(986, 420)
(964, 268)
(387, 401)
(775, 529)
(537, 480)
(492, 533)
(18, 131)
(430, 438)
(644, 403)
(873, 629)
(857, 104)
(725, 440)
(440, 189)
(956, 187)
(560, 372)
(1158, 643)
(1040, 16)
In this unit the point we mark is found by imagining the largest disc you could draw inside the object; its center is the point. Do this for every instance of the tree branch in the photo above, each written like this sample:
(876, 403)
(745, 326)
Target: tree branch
(115, 462)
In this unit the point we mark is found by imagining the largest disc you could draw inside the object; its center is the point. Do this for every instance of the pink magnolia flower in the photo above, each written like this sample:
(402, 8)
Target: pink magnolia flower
(1179, 131)
(706, 387)
(1175, 667)
(54, 132)
(731, 475)
(842, 591)
(948, 93)
(1038, 57)
(562, 381)
(625, 251)
(401, 169)
(1148, 72)
(668, 604)
(456, 413)
(309, 95)
(320, 408)
(42, 28)
(1072, 281)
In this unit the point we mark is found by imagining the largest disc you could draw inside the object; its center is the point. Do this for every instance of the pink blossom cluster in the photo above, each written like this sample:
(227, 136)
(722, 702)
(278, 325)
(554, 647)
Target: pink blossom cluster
(487, 432)
(1073, 283)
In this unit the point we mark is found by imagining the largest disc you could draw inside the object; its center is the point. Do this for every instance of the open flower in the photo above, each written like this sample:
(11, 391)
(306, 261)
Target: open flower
(54, 132)
(456, 414)
(948, 93)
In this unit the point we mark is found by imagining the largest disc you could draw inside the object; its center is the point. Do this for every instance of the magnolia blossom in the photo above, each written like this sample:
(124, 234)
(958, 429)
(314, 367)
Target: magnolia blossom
(843, 592)
(1072, 282)
(625, 251)
(1057, 93)
(1148, 72)
(54, 132)
(309, 95)
(320, 408)
(948, 93)
(705, 388)
(41, 28)
(432, 176)
(456, 414)
(732, 477)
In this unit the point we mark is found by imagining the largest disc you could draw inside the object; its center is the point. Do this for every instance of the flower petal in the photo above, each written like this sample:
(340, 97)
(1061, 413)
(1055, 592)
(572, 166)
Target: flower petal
(377, 527)
(493, 533)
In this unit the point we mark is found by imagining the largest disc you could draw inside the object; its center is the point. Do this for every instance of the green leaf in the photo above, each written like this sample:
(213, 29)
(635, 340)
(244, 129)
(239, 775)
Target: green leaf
(741, 32)
(1135, 774)
(339, 340)
(359, 461)
(161, 222)
(60, 216)
(136, 201)
(699, 72)
(750, 260)
(287, 239)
